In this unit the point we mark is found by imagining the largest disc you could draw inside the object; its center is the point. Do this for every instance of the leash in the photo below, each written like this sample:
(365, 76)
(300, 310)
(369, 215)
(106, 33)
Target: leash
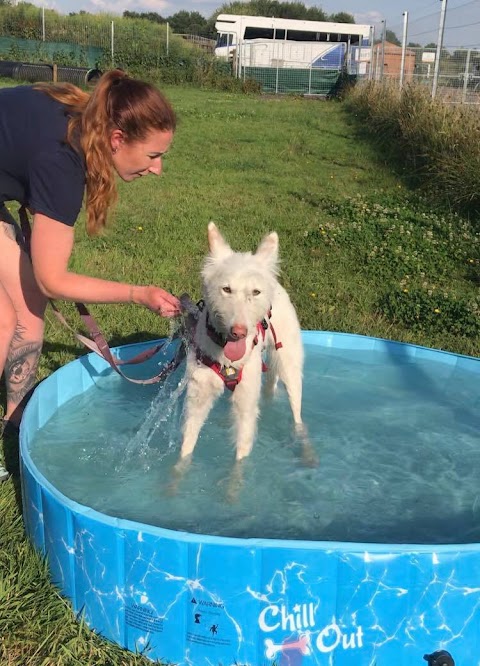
(97, 342)
(183, 335)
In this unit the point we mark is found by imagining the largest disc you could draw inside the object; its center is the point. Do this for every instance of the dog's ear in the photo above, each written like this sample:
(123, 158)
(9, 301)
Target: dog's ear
(218, 245)
(267, 251)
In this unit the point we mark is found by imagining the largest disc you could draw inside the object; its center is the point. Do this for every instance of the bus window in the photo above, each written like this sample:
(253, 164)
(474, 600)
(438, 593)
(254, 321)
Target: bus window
(301, 36)
(222, 40)
(354, 39)
(279, 34)
(258, 33)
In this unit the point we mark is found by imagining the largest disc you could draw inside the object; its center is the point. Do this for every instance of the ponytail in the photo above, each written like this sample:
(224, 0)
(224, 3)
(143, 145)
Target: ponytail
(117, 102)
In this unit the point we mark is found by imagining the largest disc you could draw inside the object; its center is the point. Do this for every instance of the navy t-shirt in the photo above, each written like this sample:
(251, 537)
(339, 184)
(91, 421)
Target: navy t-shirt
(37, 167)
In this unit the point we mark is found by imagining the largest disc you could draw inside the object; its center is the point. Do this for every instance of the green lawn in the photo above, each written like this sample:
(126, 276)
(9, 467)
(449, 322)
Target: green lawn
(360, 253)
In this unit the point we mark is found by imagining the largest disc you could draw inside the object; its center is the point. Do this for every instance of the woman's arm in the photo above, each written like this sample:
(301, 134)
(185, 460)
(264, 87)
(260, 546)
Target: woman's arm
(51, 246)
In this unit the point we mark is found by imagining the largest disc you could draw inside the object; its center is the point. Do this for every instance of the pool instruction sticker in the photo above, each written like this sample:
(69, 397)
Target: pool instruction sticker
(143, 618)
(208, 624)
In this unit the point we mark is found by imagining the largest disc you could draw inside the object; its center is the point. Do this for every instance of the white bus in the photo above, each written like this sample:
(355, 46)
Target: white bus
(273, 42)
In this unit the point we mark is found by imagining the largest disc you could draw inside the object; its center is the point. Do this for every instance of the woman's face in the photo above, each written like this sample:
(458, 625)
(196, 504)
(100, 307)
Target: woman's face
(139, 158)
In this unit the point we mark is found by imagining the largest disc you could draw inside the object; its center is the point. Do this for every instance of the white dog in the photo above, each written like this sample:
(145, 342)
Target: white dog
(245, 312)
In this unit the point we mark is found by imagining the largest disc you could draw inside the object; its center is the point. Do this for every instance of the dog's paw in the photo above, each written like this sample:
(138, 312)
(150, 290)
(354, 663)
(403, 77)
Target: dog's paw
(172, 488)
(309, 456)
(235, 482)
(178, 472)
(307, 451)
(182, 465)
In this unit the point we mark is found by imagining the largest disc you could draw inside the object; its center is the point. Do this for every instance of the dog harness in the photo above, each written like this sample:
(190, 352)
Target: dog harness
(232, 376)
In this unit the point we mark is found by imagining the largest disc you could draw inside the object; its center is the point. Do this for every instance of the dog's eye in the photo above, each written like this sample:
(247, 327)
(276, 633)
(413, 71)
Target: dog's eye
(256, 292)
(227, 290)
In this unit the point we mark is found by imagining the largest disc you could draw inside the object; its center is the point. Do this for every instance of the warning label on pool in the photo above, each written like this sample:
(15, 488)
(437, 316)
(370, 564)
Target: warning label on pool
(143, 618)
(206, 640)
(208, 623)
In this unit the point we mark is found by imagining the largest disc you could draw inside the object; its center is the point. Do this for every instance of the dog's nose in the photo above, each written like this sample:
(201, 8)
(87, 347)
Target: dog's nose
(238, 331)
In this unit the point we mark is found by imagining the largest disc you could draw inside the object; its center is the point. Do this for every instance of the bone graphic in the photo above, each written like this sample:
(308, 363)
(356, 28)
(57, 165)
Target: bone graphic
(302, 644)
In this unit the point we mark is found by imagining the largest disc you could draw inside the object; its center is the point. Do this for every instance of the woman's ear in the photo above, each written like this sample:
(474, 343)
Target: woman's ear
(116, 140)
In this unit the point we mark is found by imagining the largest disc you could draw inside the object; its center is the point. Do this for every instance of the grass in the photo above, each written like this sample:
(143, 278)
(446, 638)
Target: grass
(360, 253)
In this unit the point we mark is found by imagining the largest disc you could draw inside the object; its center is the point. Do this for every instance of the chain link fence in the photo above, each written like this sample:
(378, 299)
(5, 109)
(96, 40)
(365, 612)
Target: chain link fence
(458, 70)
(440, 48)
(313, 72)
(305, 68)
(37, 35)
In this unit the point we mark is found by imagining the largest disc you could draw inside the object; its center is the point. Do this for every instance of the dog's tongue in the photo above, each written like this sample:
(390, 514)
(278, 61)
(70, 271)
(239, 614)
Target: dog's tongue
(234, 351)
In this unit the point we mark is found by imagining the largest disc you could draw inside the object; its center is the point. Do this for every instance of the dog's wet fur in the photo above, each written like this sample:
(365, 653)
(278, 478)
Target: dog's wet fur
(240, 290)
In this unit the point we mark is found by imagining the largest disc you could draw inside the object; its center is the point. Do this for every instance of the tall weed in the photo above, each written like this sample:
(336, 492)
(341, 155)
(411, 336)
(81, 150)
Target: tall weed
(438, 146)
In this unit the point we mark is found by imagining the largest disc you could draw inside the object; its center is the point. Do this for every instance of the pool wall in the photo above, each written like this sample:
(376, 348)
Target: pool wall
(201, 600)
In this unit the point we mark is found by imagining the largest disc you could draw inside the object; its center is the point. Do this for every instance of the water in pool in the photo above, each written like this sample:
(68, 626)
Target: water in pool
(397, 441)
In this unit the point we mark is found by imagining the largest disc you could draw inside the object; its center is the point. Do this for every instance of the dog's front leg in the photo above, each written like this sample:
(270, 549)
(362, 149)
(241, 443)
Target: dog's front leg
(245, 408)
(203, 388)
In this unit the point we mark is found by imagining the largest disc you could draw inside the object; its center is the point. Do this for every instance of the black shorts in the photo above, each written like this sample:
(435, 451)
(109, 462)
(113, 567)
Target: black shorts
(6, 216)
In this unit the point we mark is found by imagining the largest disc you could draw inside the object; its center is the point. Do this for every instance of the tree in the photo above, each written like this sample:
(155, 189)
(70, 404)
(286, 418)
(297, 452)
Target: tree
(342, 17)
(190, 23)
(273, 8)
(391, 37)
(149, 16)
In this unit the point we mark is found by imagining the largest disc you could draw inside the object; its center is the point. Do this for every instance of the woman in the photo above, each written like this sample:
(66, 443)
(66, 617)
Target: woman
(58, 142)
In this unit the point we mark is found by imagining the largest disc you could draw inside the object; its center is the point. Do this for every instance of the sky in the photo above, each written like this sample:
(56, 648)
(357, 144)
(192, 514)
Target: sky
(462, 24)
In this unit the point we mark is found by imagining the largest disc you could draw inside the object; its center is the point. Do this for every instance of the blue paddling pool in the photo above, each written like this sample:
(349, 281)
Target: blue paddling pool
(369, 558)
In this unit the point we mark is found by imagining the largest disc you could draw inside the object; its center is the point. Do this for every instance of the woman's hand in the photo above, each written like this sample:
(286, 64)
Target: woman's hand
(157, 300)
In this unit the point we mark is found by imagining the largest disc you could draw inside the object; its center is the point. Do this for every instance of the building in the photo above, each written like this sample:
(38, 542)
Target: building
(392, 61)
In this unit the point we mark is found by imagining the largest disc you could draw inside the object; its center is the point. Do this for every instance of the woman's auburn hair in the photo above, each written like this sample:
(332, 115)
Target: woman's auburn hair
(117, 102)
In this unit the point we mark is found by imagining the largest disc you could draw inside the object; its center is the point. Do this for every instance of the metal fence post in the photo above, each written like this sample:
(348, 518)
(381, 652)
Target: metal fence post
(465, 77)
(384, 39)
(241, 56)
(404, 48)
(370, 68)
(112, 39)
(275, 48)
(439, 47)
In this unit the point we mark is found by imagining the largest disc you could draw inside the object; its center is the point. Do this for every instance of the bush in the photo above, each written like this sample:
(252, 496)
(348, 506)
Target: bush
(431, 312)
(437, 145)
(423, 267)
